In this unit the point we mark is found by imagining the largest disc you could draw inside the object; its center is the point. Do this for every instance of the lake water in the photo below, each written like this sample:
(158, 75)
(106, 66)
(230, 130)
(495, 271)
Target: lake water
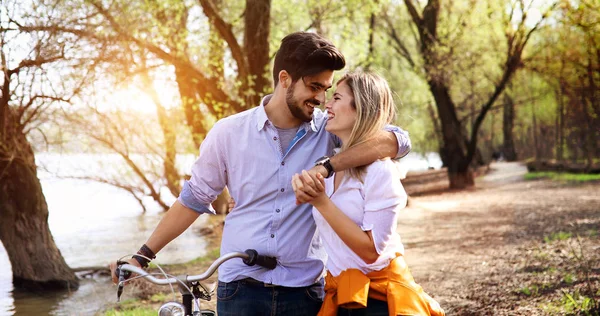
(94, 223)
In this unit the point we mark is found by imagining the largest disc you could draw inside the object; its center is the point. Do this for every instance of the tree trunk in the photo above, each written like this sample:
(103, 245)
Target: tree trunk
(589, 114)
(37, 263)
(508, 123)
(454, 148)
(534, 131)
(371, 42)
(256, 45)
(557, 126)
(560, 117)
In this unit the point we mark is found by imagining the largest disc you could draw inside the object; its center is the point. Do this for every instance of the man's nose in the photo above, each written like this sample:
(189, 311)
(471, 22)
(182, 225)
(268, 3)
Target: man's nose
(321, 97)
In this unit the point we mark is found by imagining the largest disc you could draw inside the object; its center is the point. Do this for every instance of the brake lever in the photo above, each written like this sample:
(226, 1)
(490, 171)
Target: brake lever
(123, 275)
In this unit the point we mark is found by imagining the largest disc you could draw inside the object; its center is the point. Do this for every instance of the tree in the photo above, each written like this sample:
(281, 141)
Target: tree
(436, 56)
(571, 65)
(27, 92)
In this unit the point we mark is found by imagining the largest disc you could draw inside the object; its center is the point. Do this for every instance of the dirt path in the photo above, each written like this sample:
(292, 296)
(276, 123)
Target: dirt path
(482, 252)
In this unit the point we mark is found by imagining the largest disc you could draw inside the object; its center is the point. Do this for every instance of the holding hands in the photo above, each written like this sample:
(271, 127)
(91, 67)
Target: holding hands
(309, 187)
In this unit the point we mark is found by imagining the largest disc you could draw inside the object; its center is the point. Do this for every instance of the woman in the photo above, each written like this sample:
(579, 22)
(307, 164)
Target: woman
(356, 213)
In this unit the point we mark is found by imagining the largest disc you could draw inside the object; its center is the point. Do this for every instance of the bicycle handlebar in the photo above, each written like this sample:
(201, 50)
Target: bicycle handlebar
(250, 258)
(263, 261)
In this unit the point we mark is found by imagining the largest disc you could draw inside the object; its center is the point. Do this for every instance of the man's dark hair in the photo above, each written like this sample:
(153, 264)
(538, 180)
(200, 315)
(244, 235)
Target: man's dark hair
(304, 54)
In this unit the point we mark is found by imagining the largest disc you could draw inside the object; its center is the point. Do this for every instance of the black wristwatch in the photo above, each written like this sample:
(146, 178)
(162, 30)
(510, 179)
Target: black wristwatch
(325, 162)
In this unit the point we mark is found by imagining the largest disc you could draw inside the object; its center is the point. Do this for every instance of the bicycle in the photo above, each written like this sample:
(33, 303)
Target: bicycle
(191, 288)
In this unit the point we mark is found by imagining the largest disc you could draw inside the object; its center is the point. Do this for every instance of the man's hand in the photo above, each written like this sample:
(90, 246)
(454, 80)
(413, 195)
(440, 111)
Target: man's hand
(113, 268)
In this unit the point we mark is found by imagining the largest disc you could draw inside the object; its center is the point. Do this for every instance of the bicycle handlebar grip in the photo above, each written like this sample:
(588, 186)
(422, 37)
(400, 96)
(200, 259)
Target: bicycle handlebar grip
(263, 261)
(122, 275)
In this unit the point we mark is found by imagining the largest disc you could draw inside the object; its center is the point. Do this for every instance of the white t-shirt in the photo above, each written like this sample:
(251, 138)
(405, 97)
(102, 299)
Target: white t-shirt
(373, 205)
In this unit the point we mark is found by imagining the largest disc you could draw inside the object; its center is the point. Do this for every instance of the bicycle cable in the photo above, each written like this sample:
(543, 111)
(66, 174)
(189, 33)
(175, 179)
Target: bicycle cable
(166, 276)
(178, 280)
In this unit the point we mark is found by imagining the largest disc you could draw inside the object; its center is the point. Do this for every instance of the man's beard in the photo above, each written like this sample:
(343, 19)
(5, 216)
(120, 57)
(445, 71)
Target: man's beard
(296, 107)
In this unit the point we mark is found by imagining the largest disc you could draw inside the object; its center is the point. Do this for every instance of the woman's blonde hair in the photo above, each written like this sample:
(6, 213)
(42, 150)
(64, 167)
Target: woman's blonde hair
(374, 105)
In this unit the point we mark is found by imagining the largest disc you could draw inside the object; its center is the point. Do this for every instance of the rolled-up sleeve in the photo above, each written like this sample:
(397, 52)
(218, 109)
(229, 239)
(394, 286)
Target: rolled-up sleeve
(404, 144)
(209, 174)
(384, 198)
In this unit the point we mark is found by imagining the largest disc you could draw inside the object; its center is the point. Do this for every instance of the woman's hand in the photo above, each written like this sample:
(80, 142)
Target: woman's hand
(309, 187)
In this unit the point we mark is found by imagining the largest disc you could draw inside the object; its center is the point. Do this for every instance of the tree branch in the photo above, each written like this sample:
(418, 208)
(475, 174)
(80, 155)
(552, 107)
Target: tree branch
(511, 65)
(400, 47)
(414, 14)
(226, 33)
(5, 97)
(210, 87)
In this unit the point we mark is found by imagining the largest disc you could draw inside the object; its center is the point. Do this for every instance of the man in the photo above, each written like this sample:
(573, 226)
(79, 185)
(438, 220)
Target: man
(255, 154)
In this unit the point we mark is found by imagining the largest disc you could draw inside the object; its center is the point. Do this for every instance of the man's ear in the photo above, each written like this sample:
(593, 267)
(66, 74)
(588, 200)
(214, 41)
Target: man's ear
(285, 80)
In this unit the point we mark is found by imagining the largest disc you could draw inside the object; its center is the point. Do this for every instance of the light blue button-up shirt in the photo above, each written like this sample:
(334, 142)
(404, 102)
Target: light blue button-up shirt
(243, 153)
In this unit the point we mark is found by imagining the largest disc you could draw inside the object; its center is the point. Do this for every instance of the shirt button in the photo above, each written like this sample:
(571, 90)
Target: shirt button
(283, 163)
(272, 236)
(277, 210)
(275, 138)
(282, 189)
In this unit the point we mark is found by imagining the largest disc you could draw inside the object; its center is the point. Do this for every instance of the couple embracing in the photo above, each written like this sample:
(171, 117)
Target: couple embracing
(295, 200)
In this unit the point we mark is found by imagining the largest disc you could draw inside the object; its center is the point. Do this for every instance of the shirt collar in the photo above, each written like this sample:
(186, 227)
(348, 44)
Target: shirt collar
(262, 119)
(261, 114)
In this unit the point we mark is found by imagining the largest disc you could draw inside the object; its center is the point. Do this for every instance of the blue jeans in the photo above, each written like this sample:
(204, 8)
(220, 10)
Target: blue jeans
(374, 308)
(244, 298)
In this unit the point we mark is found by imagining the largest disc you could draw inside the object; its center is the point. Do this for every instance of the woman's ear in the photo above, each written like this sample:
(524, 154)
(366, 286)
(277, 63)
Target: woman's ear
(285, 79)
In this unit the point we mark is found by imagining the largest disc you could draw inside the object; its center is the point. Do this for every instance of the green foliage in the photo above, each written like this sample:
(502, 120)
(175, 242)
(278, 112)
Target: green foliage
(167, 37)
(569, 278)
(567, 60)
(557, 236)
(159, 297)
(576, 303)
(560, 176)
(530, 290)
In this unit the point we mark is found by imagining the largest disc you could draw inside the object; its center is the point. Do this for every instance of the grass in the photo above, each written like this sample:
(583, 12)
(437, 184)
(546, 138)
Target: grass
(576, 281)
(562, 176)
(130, 307)
(530, 290)
(557, 236)
(135, 311)
(571, 303)
(569, 278)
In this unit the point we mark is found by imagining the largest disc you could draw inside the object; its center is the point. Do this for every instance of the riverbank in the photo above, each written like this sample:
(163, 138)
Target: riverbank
(509, 246)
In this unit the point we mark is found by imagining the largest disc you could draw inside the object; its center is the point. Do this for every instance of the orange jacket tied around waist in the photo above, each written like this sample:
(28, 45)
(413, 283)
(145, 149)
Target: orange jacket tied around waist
(393, 284)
